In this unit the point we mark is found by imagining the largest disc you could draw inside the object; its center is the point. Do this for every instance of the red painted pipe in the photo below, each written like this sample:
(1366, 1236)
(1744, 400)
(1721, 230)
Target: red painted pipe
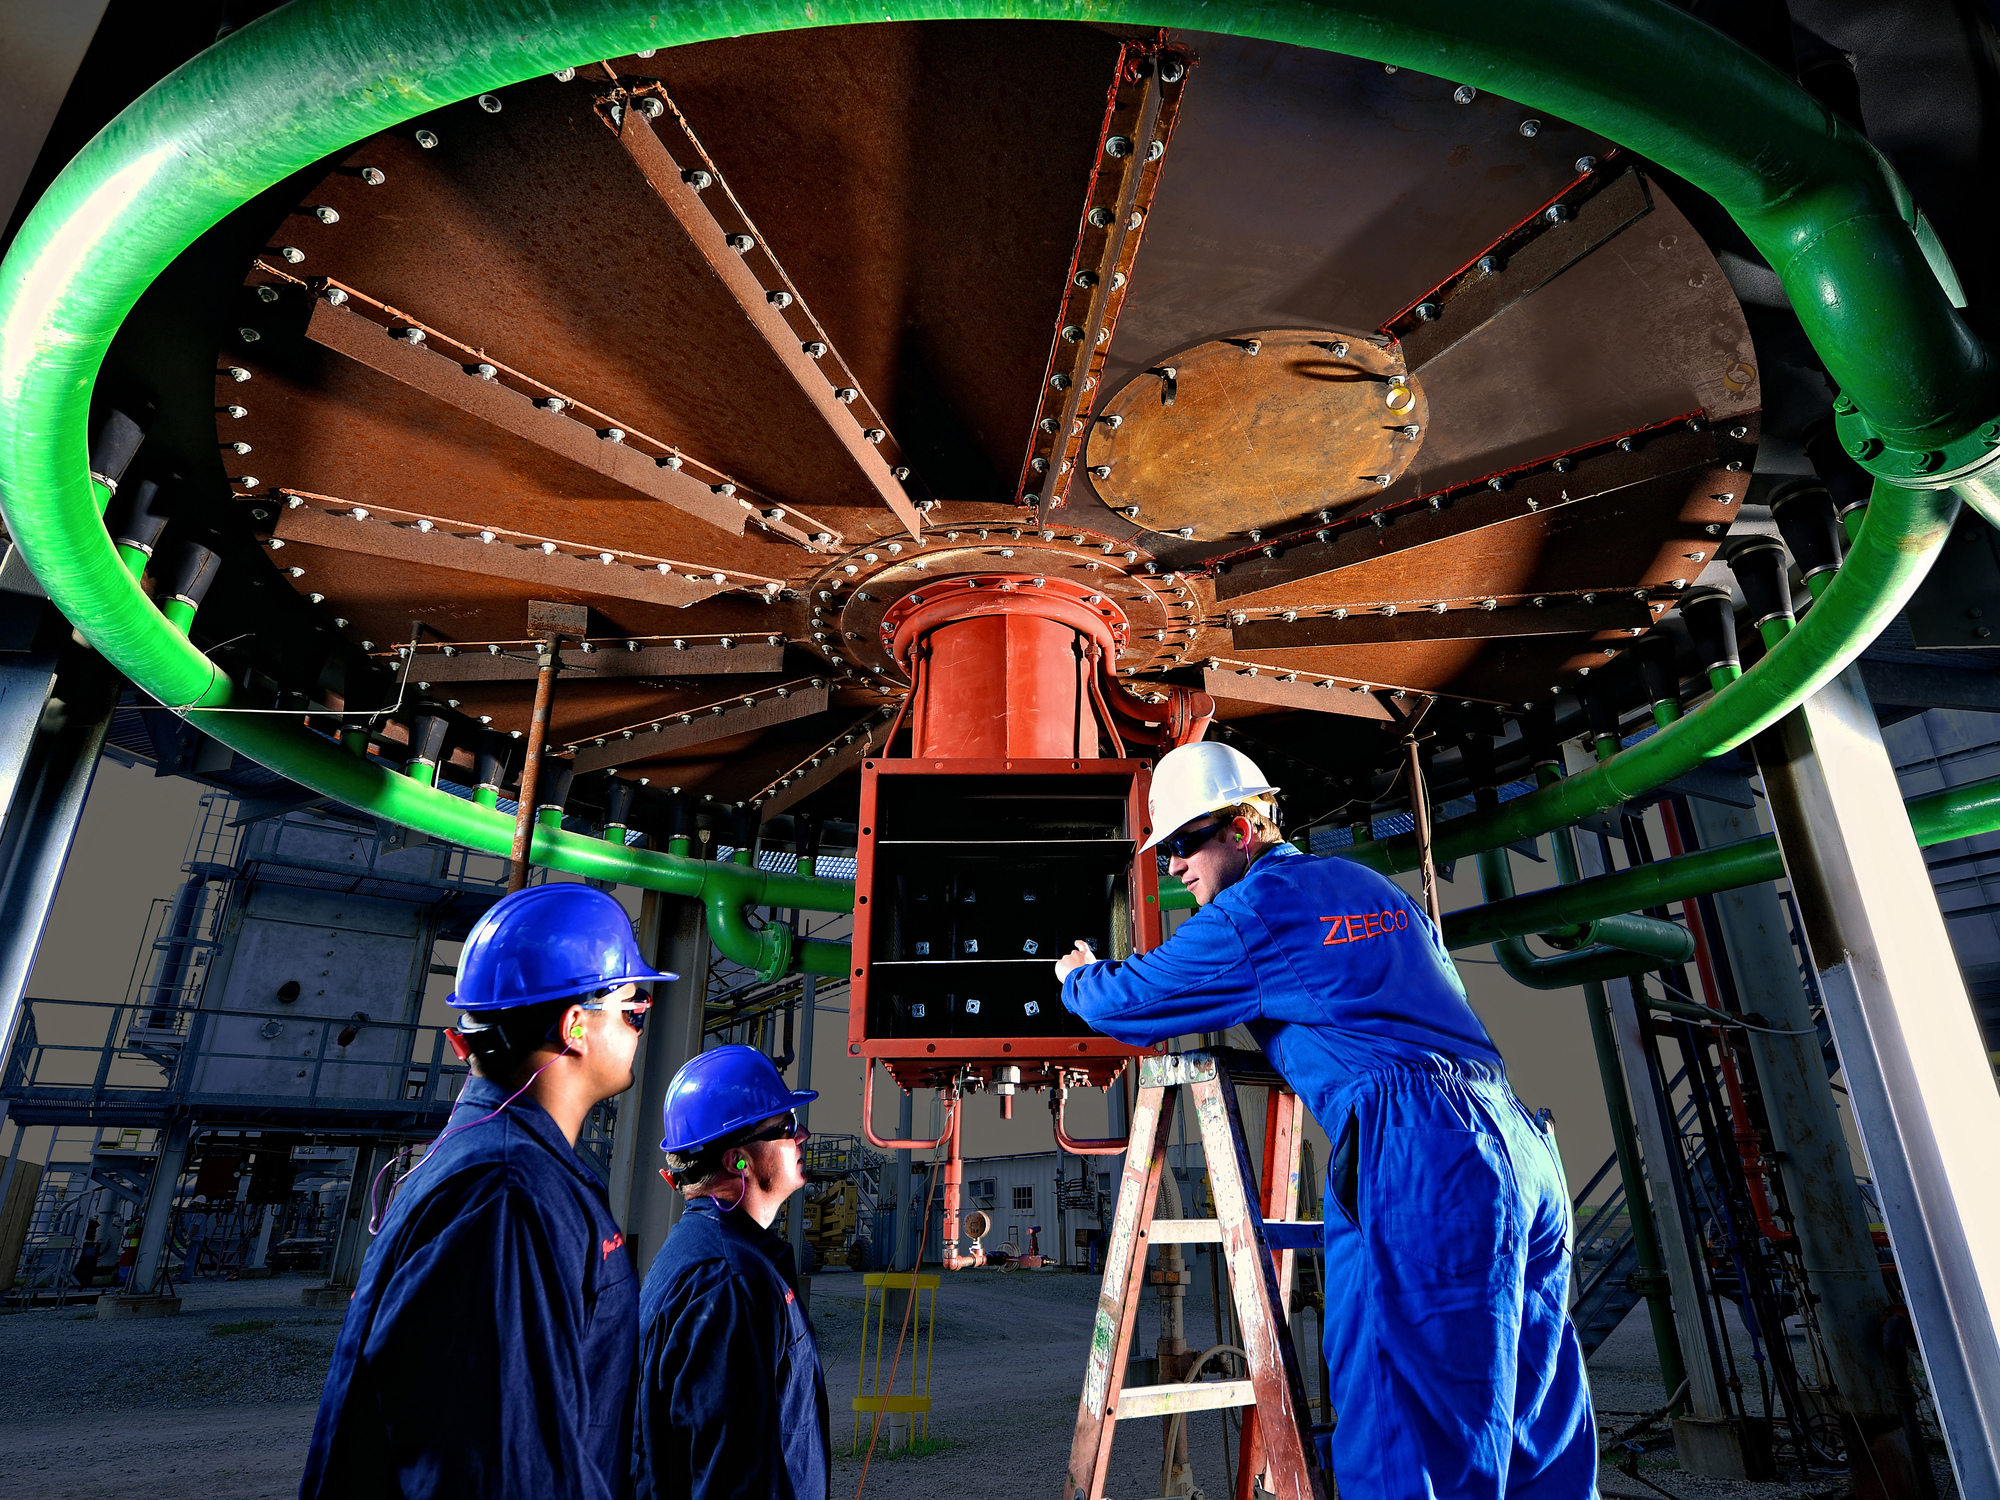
(1057, 1094)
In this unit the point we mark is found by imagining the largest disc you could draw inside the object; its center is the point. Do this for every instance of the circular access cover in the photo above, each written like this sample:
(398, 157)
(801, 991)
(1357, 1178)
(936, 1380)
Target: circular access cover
(1245, 434)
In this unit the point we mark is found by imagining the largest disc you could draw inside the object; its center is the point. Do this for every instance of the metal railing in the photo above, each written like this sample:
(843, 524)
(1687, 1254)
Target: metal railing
(98, 1059)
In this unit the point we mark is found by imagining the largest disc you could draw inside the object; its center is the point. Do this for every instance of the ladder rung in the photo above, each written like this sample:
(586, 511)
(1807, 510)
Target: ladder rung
(1279, 1234)
(1199, 1395)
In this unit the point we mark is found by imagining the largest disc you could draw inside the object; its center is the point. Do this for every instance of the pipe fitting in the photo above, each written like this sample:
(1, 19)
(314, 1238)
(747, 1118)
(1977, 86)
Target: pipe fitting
(1763, 573)
(1710, 616)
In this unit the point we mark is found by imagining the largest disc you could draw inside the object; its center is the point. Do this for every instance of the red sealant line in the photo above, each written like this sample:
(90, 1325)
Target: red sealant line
(1749, 1146)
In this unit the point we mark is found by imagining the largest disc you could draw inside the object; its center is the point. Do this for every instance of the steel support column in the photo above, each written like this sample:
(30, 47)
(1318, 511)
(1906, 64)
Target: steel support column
(1829, 1216)
(673, 936)
(1910, 1049)
(174, 1140)
(350, 1245)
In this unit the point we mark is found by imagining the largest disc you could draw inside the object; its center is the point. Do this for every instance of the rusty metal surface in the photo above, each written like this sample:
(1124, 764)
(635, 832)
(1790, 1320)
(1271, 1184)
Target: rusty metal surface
(1238, 436)
(1308, 194)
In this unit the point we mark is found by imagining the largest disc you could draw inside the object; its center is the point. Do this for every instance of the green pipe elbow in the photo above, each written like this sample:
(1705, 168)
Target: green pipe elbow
(179, 614)
(1620, 946)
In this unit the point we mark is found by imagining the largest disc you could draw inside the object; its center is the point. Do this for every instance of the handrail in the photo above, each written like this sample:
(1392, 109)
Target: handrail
(308, 80)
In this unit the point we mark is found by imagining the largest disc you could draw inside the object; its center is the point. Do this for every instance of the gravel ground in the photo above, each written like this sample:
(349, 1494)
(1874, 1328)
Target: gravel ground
(218, 1403)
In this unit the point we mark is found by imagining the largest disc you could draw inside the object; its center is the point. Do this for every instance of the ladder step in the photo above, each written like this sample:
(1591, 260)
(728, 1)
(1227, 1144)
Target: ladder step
(1279, 1234)
(1200, 1395)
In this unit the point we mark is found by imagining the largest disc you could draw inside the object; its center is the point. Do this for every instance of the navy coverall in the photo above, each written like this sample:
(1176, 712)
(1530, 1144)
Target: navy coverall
(489, 1347)
(1455, 1370)
(731, 1398)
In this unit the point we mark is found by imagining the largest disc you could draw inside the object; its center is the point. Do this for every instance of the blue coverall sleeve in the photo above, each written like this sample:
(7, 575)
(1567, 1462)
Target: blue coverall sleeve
(710, 1379)
(475, 1353)
(1200, 979)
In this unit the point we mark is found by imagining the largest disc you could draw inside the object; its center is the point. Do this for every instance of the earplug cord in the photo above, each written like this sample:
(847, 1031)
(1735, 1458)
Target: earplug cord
(377, 1213)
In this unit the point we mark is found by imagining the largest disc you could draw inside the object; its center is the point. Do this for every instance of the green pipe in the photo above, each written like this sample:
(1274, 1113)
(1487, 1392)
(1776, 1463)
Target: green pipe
(549, 817)
(1720, 677)
(1958, 812)
(1651, 1277)
(422, 772)
(179, 614)
(310, 79)
(1618, 946)
(135, 561)
(486, 796)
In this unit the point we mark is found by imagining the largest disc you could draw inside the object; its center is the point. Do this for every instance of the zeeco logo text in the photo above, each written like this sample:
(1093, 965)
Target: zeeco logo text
(1363, 924)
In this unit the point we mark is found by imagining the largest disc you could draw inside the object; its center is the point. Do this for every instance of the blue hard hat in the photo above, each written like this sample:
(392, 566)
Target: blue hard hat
(548, 942)
(720, 1092)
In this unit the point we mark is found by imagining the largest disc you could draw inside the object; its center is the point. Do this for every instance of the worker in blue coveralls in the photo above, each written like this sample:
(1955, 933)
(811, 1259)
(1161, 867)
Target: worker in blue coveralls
(489, 1347)
(1455, 1370)
(732, 1400)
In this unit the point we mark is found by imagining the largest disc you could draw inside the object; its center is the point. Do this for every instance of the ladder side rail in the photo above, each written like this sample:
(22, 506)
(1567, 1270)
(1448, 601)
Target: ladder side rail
(1278, 1196)
(1283, 1418)
(1124, 1275)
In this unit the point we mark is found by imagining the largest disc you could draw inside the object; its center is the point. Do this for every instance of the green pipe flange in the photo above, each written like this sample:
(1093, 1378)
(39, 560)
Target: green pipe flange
(315, 76)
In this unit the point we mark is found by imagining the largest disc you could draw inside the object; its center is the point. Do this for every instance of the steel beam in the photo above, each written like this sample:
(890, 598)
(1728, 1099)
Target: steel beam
(1910, 1049)
(773, 309)
(51, 733)
(374, 535)
(422, 368)
(824, 766)
(147, 1265)
(1621, 613)
(699, 659)
(1672, 452)
(720, 724)
(1338, 698)
(1593, 210)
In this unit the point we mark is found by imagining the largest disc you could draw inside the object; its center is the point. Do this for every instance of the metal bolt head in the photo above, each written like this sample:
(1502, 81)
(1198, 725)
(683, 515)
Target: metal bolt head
(484, 371)
(779, 299)
(1118, 145)
(1155, 150)
(847, 394)
(1103, 471)
(1531, 128)
(1739, 431)
(1072, 333)
(563, 75)
(741, 243)
(1100, 217)
(1427, 312)
(1585, 165)
(237, 411)
(1465, 93)
(238, 374)
(267, 294)
(1489, 265)
(873, 434)
(427, 139)
(1185, 532)
(373, 176)
(1555, 213)
(1925, 463)
(651, 108)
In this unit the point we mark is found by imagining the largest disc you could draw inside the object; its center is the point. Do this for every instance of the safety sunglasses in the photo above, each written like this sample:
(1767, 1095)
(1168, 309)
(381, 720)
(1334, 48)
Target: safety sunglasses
(1180, 845)
(788, 1128)
(634, 1010)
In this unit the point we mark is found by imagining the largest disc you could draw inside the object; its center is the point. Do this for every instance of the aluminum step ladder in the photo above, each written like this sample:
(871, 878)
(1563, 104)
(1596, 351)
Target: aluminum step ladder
(1259, 1239)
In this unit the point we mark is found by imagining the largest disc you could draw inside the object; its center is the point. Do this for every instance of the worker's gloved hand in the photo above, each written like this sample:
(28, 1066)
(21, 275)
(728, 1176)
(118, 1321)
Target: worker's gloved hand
(1076, 958)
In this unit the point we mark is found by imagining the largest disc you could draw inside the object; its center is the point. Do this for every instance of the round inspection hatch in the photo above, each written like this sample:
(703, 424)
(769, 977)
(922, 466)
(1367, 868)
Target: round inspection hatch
(1247, 433)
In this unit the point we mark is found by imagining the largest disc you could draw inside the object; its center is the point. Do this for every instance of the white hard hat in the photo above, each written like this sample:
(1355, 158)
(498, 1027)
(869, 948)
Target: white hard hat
(1196, 779)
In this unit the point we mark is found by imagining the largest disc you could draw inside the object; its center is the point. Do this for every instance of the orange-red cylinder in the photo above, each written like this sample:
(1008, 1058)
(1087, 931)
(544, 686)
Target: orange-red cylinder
(1004, 686)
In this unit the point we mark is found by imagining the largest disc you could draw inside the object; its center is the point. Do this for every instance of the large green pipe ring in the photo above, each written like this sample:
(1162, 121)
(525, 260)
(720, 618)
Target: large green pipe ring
(315, 76)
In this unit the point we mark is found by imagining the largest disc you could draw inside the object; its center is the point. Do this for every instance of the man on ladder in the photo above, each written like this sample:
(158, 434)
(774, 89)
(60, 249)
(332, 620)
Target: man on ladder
(1455, 1370)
